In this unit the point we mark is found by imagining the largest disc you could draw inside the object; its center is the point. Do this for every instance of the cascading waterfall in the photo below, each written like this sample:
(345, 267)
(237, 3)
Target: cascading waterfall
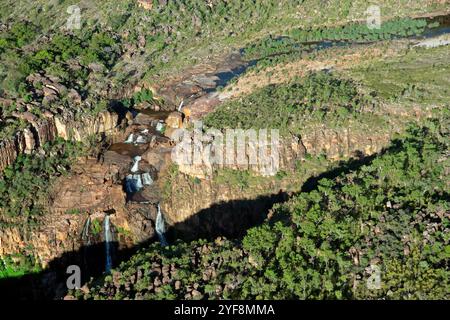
(140, 140)
(133, 183)
(160, 227)
(85, 234)
(135, 166)
(160, 126)
(130, 138)
(180, 106)
(147, 179)
(108, 243)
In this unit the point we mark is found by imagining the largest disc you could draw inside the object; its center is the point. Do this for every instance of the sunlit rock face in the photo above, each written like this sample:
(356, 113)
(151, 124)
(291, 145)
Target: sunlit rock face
(40, 131)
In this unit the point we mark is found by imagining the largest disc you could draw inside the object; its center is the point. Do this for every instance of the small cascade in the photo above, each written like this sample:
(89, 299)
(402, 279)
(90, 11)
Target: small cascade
(161, 227)
(140, 140)
(85, 233)
(108, 243)
(160, 126)
(130, 139)
(147, 179)
(133, 183)
(138, 181)
(135, 166)
(180, 106)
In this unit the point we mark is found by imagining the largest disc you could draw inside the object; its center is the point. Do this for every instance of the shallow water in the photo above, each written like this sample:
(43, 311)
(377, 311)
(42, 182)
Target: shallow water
(128, 149)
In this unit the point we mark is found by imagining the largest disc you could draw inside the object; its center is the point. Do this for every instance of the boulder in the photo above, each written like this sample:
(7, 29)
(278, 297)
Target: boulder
(90, 187)
(158, 157)
(175, 120)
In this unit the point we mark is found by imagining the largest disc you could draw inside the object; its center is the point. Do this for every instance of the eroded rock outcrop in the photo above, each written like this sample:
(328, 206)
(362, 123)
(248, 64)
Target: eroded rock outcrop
(40, 131)
(202, 203)
(91, 191)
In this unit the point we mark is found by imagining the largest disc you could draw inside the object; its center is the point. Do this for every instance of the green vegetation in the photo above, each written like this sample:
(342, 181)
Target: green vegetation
(176, 34)
(390, 214)
(17, 265)
(371, 216)
(172, 173)
(361, 32)
(298, 39)
(63, 72)
(241, 179)
(57, 57)
(24, 184)
(272, 46)
(20, 34)
(144, 95)
(420, 76)
(318, 97)
(96, 227)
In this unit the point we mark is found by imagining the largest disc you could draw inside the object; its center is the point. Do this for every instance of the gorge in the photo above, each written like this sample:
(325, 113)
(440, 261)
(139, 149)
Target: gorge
(126, 192)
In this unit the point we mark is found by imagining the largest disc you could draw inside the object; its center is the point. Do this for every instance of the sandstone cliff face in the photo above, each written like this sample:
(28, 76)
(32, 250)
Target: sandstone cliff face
(333, 143)
(206, 207)
(28, 140)
(342, 143)
(92, 191)
(40, 131)
(56, 235)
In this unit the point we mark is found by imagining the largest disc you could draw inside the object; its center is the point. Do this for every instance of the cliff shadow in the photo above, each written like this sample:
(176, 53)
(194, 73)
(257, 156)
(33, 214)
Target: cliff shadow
(229, 219)
(50, 283)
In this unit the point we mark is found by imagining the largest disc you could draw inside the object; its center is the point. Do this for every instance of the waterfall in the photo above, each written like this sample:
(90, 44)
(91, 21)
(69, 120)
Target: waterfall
(129, 184)
(137, 182)
(160, 126)
(108, 243)
(160, 227)
(140, 140)
(133, 183)
(130, 138)
(85, 234)
(135, 166)
(147, 179)
(180, 106)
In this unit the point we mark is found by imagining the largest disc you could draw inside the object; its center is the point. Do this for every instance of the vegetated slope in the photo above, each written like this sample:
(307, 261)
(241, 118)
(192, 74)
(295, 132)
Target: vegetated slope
(319, 96)
(24, 187)
(388, 218)
(175, 34)
(298, 39)
(418, 77)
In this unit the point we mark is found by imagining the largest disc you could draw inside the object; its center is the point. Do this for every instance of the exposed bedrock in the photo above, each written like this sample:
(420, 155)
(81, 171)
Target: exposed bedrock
(198, 205)
(42, 130)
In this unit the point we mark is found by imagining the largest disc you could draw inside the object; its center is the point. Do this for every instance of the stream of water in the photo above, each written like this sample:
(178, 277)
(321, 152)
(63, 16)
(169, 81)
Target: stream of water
(108, 243)
(85, 234)
(161, 227)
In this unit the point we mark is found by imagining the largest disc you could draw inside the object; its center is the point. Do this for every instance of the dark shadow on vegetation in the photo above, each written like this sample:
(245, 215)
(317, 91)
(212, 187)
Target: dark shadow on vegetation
(230, 219)
(51, 283)
(224, 78)
(343, 168)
